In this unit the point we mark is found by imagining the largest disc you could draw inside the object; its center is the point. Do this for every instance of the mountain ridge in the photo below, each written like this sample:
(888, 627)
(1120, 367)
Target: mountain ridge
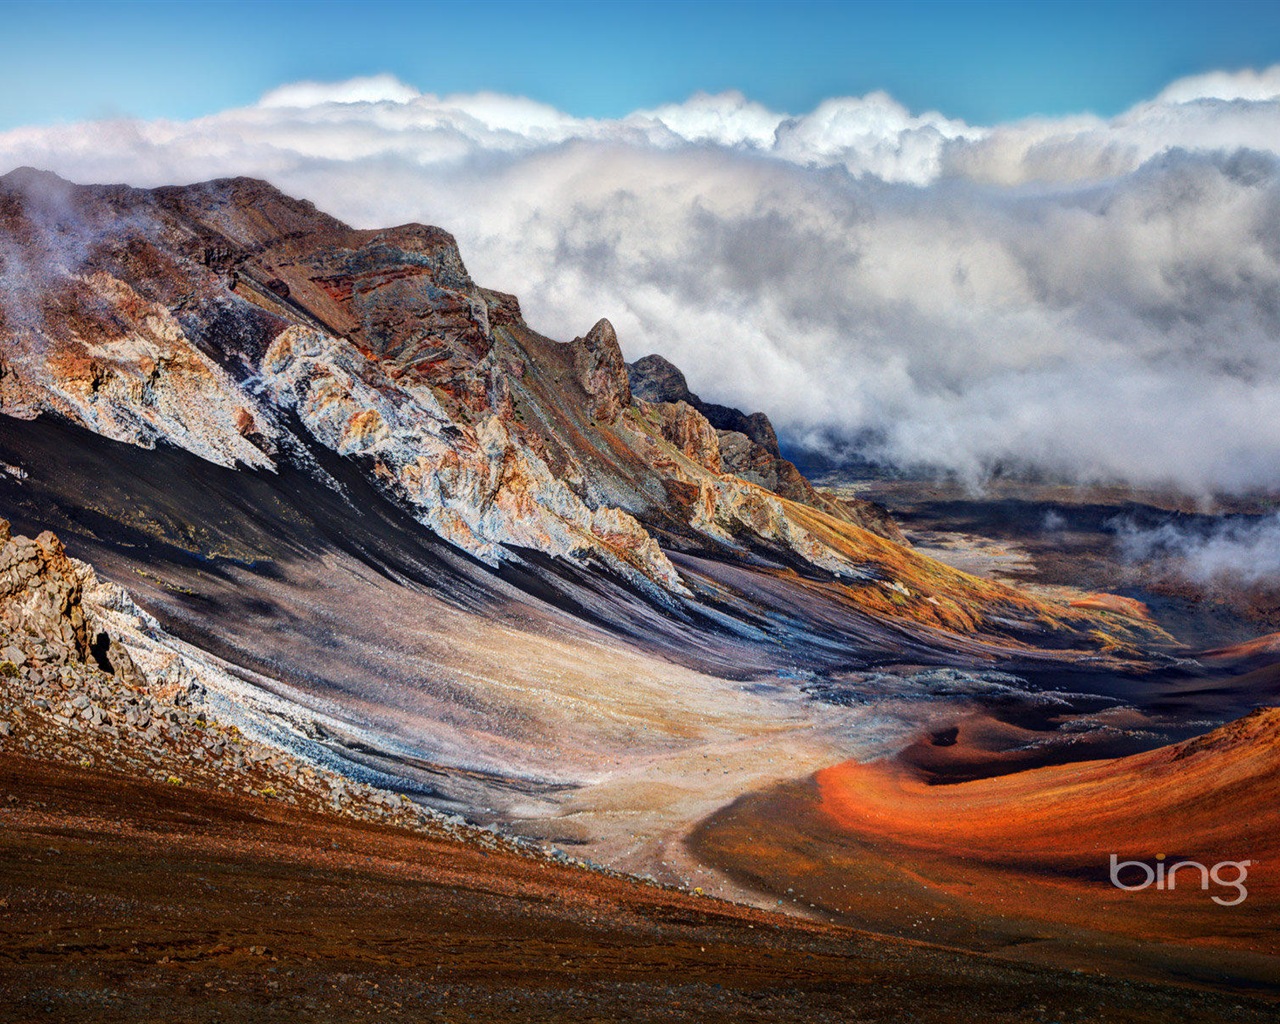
(214, 316)
(235, 228)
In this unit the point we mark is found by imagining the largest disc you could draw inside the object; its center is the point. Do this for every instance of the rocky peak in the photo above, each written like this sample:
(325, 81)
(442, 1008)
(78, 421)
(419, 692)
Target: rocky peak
(602, 372)
(29, 179)
(658, 380)
(747, 446)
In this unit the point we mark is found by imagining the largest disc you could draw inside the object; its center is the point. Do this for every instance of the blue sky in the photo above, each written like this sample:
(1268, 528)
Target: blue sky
(1093, 296)
(984, 62)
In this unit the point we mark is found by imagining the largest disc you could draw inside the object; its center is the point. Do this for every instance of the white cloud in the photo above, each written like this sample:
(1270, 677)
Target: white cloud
(1233, 550)
(374, 89)
(872, 135)
(1096, 298)
(727, 119)
(1224, 85)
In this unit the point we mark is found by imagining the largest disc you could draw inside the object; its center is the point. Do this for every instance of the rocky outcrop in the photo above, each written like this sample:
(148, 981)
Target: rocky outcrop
(43, 612)
(504, 309)
(748, 448)
(686, 429)
(602, 372)
(480, 489)
(655, 379)
(40, 593)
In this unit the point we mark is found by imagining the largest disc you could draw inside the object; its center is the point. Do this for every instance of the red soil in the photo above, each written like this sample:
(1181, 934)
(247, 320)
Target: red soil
(128, 900)
(1043, 838)
(1267, 647)
(1114, 603)
(1021, 862)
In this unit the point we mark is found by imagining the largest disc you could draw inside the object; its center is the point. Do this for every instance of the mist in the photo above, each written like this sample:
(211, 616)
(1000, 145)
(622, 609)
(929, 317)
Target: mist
(1230, 551)
(1095, 300)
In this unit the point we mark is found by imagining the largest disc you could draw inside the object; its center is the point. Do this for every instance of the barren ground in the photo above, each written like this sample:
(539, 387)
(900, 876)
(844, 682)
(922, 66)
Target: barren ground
(137, 901)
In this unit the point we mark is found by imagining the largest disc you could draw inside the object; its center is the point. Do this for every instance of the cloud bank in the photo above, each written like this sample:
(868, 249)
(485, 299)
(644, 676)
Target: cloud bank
(1231, 551)
(1094, 299)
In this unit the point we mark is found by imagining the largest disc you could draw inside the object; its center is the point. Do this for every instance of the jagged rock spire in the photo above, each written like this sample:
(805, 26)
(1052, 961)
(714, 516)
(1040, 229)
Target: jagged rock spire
(602, 372)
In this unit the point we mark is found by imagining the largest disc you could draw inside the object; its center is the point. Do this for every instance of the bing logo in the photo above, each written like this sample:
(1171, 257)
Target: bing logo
(1167, 876)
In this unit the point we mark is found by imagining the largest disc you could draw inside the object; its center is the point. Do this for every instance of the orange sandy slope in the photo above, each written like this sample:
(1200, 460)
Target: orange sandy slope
(1038, 843)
